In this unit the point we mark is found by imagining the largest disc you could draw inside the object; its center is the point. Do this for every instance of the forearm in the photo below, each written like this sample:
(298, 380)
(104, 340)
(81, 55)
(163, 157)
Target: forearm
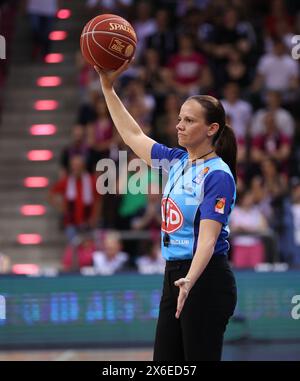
(123, 121)
(201, 258)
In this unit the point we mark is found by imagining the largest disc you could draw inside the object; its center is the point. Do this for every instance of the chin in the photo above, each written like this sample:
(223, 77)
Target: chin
(180, 142)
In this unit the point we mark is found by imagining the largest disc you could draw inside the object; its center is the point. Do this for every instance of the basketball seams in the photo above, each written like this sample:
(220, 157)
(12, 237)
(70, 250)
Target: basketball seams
(88, 44)
(110, 33)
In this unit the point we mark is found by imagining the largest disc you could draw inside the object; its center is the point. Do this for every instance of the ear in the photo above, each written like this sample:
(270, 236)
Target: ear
(213, 129)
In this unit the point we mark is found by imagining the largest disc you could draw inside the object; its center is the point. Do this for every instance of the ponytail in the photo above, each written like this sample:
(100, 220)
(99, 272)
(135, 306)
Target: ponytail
(226, 147)
(224, 141)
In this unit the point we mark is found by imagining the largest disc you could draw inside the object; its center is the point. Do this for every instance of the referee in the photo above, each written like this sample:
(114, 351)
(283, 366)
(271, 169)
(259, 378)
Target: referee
(199, 291)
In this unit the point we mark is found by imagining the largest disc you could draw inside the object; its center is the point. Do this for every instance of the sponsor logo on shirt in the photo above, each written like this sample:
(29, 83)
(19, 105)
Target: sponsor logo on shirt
(220, 205)
(205, 170)
(180, 242)
(199, 178)
(174, 217)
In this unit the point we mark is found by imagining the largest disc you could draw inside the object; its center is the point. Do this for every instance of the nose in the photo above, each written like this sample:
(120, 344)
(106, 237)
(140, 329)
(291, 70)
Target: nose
(179, 126)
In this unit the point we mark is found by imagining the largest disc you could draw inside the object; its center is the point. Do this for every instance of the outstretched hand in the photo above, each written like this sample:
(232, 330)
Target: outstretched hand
(184, 289)
(107, 78)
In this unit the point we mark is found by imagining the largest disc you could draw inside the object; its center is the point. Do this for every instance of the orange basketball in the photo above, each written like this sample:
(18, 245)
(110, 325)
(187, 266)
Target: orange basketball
(107, 41)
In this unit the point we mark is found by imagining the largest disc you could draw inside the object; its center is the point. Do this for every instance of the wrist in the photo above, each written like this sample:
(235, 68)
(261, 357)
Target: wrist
(189, 281)
(107, 89)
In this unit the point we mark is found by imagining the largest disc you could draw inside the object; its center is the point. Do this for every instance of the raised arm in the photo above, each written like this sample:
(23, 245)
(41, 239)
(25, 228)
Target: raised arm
(127, 127)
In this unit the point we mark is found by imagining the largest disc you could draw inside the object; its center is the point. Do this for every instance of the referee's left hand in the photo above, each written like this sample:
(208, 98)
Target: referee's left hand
(184, 288)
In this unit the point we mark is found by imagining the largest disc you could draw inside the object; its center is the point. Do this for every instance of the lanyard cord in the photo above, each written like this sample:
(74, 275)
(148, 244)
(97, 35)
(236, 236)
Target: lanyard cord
(166, 237)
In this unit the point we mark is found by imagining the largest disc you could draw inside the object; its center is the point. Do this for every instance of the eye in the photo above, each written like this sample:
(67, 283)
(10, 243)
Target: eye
(189, 120)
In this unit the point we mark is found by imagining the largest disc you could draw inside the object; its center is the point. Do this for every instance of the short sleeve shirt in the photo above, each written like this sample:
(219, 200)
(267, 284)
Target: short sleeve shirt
(203, 190)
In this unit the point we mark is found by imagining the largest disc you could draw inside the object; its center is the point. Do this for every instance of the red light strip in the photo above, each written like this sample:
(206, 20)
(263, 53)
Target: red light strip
(49, 81)
(42, 129)
(29, 239)
(36, 182)
(64, 14)
(58, 35)
(33, 210)
(46, 105)
(39, 155)
(54, 58)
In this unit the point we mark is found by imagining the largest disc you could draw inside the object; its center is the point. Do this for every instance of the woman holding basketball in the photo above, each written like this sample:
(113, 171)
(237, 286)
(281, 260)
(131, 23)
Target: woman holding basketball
(199, 292)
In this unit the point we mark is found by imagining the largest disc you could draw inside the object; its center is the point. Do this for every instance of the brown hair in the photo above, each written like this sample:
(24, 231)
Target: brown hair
(224, 140)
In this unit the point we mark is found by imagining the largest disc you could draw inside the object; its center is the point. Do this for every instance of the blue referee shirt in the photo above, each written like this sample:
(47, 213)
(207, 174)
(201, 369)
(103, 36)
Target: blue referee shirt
(202, 190)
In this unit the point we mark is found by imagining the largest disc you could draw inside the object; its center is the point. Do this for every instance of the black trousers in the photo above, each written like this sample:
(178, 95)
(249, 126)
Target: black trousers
(198, 334)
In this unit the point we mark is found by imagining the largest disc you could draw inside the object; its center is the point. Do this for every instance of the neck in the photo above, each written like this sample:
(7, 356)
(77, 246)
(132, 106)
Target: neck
(202, 152)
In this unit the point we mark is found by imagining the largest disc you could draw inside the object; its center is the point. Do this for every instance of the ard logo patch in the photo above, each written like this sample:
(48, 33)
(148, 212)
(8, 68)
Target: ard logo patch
(174, 216)
(220, 205)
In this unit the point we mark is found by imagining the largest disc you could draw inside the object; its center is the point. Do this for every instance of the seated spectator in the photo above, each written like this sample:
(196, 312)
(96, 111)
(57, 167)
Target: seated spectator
(277, 71)
(269, 190)
(151, 263)
(144, 25)
(84, 76)
(285, 31)
(79, 253)
(238, 110)
(41, 16)
(136, 97)
(78, 146)
(111, 259)
(236, 70)
(274, 182)
(100, 134)
(188, 70)
(165, 131)
(152, 74)
(76, 197)
(271, 143)
(277, 13)
(163, 40)
(283, 118)
(227, 38)
(261, 197)
(247, 223)
(290, 229)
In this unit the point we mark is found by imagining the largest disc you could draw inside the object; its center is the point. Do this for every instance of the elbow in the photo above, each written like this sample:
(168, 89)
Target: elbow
(209, 245)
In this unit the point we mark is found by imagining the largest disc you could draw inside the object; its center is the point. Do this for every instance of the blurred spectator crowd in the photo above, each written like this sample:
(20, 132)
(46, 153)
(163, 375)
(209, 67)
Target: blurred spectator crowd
(7, 23)
(237, 50)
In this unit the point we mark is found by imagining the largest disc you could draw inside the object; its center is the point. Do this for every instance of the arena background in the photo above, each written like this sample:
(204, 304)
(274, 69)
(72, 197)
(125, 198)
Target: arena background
(60, 296)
